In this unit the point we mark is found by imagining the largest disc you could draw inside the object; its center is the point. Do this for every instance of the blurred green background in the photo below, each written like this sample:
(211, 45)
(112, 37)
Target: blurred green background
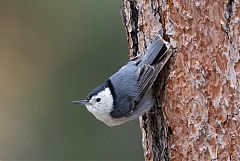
(53, 52)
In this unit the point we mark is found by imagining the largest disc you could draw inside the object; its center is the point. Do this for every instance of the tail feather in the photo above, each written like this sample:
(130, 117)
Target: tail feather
(155, 52)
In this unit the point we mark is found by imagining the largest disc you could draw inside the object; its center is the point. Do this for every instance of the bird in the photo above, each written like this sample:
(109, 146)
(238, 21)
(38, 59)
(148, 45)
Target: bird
(128, 93)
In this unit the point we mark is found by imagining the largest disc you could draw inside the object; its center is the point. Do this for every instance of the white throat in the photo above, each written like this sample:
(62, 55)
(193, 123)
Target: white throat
(101, 110)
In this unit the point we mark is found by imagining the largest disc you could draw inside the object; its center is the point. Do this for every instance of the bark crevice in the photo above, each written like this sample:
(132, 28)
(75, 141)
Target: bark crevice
(134, 24)
(228, 15)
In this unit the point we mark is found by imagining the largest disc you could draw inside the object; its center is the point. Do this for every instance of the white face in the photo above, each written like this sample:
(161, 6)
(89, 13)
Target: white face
(101, 105)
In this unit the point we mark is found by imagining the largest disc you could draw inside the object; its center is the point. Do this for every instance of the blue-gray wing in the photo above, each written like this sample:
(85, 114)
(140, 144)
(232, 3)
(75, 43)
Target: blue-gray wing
(151, 64)
(135, 79)
(148, 75)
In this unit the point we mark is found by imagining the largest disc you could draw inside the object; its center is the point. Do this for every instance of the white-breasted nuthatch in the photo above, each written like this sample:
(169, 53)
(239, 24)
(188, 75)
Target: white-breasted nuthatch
(127, 94)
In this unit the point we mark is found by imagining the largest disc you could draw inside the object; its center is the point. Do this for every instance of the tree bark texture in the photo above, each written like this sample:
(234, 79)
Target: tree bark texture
(197, 115)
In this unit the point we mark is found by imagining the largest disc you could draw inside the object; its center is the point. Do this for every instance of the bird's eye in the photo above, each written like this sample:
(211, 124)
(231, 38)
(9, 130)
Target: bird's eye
(98, 99)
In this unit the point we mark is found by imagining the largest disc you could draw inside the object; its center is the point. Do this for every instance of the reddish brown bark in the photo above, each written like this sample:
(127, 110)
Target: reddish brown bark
(197, 116)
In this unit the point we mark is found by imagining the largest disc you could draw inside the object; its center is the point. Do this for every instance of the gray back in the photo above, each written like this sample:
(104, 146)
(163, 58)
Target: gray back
(126, 91)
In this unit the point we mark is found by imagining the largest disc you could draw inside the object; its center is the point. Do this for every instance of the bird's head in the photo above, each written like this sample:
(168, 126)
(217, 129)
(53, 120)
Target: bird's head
(99, 102)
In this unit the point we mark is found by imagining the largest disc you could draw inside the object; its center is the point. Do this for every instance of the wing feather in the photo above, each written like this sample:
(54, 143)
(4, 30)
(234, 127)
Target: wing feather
(146, 79)
(148, 74)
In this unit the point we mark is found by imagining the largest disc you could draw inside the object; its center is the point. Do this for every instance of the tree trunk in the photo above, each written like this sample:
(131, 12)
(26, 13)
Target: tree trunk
(197, 116)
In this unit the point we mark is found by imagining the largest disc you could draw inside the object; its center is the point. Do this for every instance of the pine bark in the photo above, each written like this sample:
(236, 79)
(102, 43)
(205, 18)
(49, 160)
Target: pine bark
(198, 93)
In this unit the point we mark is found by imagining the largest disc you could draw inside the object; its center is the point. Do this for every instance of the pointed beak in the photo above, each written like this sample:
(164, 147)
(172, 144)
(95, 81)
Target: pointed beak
(83, 102)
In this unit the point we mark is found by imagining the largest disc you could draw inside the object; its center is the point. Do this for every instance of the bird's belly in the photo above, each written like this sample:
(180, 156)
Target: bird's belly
(108, 120)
